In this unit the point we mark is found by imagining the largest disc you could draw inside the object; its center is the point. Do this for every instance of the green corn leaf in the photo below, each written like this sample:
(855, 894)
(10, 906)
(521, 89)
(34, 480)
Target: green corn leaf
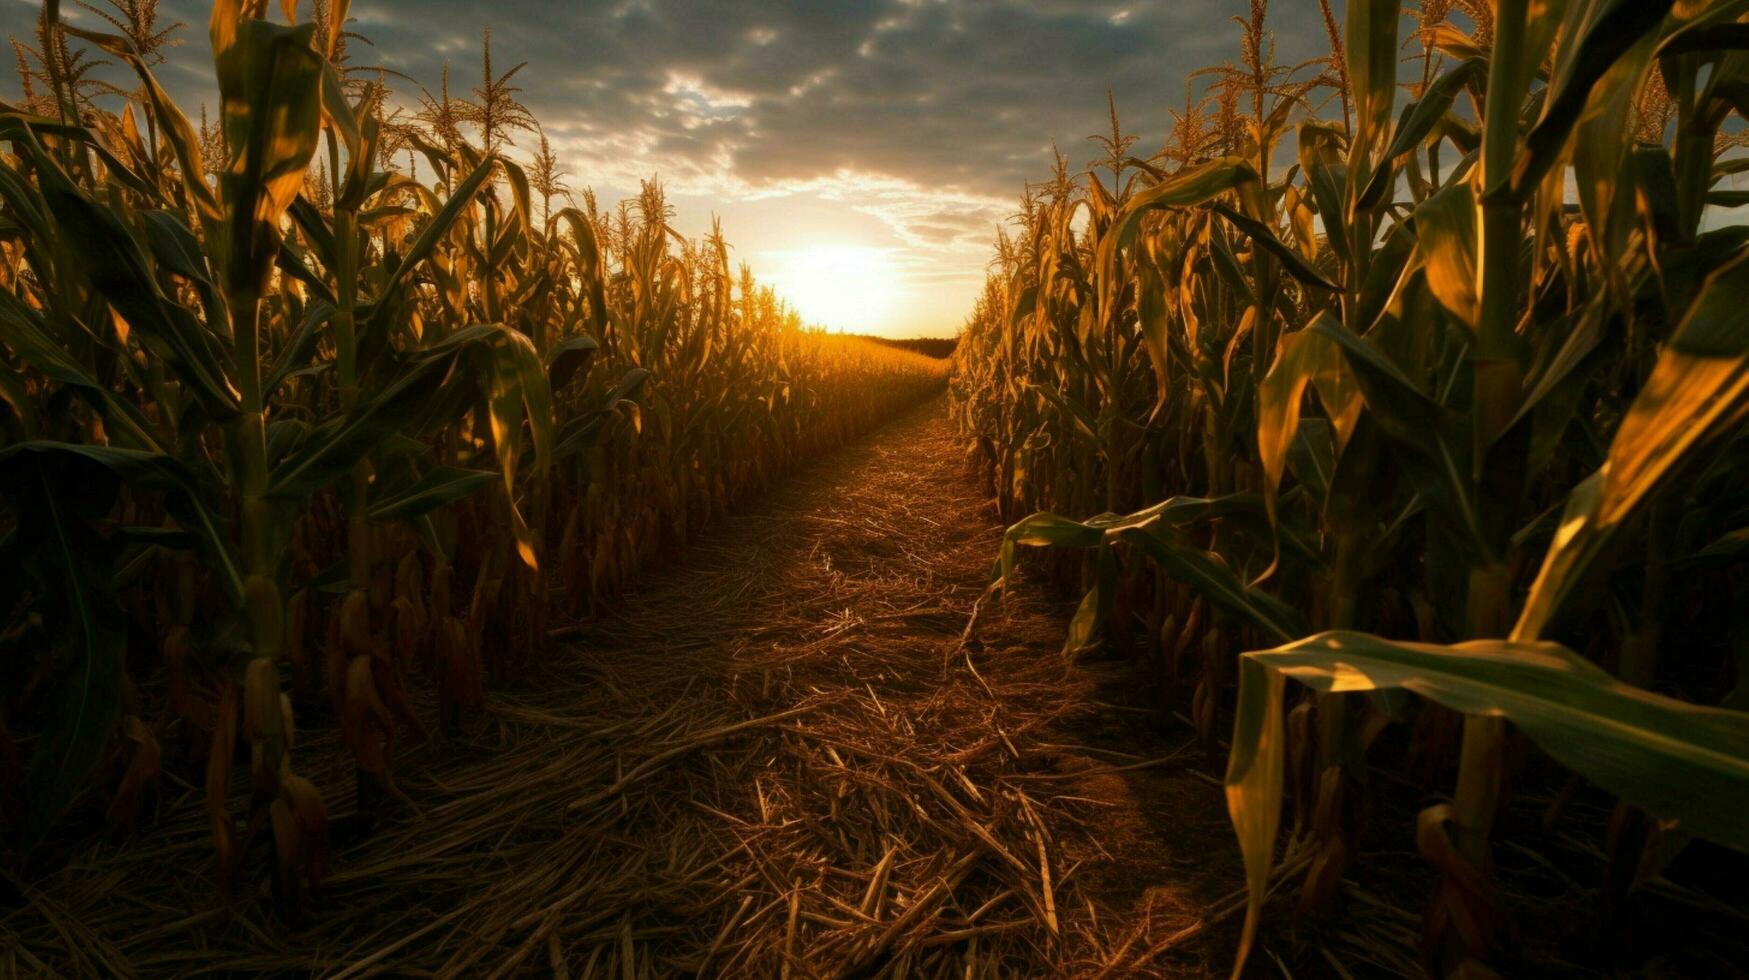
(523, 226)
(291, 262)
(1044, 530)
(119, 270)
(176, 249)
(29, 211)
(399, 279)
(1260, 234)
(626, 388)
(1678, 760)
(1446, 245)
(507, 373)
(1435, 456)
(27, 333)
(1151, 531)
(516, 391)
(1612, 28)
(1226, 264)
(1080, 423)
(1209, 574)
(11, 123)
(295, 355)
(270, 90)
(318, 237)
(1386, 269)
(1418, 121)
(1095, 607)
(333, 448)
(1327, 179)
(1191, 187)
(1707, 35)
(1698, 388)
(1371, 46)
(590, 267)
(1306, 358)
(173, 127)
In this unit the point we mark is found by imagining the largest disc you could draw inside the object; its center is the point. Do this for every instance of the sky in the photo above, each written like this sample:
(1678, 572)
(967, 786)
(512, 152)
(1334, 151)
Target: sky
(860, 153)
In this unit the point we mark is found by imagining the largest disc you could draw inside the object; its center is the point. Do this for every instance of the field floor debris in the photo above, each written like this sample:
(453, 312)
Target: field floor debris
(784, 755)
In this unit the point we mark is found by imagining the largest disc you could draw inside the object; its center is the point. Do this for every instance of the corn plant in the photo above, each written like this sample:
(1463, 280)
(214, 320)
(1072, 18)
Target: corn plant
(286, 428)
(1460, 407)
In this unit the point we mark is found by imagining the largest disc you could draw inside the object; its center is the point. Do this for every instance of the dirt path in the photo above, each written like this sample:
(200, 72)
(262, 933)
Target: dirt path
(777, 759)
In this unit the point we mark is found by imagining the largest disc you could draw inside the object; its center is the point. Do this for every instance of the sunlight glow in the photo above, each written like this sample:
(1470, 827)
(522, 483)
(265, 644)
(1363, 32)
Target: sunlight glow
(848, 288)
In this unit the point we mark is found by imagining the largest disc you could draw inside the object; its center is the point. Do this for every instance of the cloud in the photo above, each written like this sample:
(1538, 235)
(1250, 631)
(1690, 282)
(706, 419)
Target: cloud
(925, 114)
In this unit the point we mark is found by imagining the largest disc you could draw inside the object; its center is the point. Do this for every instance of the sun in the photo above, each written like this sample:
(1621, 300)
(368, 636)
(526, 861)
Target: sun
(848, 288)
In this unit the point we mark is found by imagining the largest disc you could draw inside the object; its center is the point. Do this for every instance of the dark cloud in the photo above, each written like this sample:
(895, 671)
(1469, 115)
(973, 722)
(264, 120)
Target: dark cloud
(963, 94)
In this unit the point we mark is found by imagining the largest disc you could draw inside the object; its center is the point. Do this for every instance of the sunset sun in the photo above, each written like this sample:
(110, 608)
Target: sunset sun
(848, 288)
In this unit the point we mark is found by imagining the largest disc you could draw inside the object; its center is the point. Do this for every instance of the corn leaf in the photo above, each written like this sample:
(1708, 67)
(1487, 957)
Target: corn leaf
(1260, 234)
(1371, 46)
(442, 486)
(1191, 187)
(1699, 386)
(1150, 530)
(1612, 28)
(1434, 454)
(1209, 574)
(1305, 358)
(1446, 245)
(398, 280)
(120, 272)
(1678, 760)
(270, 89)
(335, 447)
(173, 127)
(566, 359)
(1417, 123)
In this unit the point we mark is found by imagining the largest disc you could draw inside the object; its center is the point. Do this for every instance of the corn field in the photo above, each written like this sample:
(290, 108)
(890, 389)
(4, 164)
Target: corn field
(1418, 375)
(321, 402)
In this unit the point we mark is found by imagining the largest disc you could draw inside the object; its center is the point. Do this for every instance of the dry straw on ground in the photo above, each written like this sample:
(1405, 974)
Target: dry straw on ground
(781, 759)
